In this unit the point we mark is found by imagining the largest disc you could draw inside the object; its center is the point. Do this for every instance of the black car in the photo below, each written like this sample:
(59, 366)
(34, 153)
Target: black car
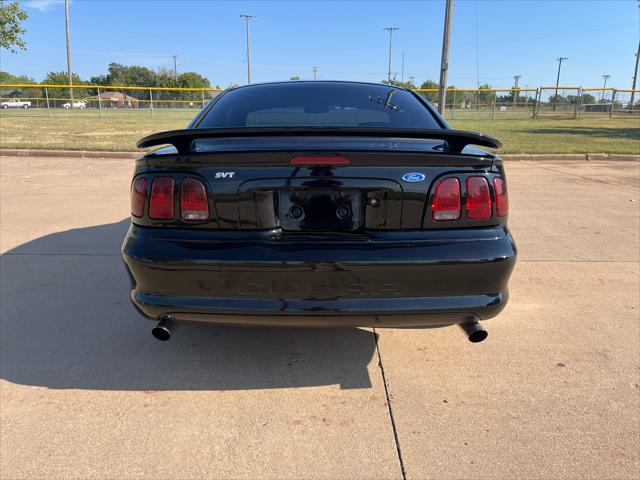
(319, 203)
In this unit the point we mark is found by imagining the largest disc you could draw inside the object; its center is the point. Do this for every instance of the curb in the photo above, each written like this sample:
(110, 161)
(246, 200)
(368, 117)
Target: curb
(576, 157)
(510, 157)
(67, 153)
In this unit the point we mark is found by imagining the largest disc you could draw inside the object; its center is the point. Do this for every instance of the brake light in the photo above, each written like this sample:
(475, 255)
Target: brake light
(502, 199)
(138, 196)
(193, 200)
(446, 200)
(319, 160)
(161, 199)
(478, 199)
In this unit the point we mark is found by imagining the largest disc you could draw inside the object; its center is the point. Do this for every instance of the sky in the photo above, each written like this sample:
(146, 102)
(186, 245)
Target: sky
(491, 41)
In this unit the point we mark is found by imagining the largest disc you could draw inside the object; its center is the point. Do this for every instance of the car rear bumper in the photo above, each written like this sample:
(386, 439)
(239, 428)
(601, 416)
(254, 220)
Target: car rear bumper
(384, 279)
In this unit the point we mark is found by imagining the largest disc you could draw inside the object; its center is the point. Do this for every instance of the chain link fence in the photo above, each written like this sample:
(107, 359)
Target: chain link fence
(484, 103)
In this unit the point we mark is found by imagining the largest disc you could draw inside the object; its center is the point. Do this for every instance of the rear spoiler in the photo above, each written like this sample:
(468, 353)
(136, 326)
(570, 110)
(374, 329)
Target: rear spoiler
(456, 140)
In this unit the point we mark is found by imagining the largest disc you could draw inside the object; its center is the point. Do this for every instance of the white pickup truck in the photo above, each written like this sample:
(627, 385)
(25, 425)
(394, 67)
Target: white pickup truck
(15, 103)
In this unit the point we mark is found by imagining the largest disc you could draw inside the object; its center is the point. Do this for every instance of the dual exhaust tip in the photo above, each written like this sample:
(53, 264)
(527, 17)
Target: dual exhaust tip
(167, 325)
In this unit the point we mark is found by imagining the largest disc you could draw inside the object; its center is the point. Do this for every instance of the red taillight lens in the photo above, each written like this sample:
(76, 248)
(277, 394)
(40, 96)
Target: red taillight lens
(478, 199)
(502, 199)
(194, 206)
(161, 199)
(138, 196)
(446, 200)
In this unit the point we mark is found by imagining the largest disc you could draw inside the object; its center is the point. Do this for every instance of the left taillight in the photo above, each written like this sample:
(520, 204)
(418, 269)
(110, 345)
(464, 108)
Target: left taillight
(161, 199)
(478, 203)
(138, 196)
(194, 206)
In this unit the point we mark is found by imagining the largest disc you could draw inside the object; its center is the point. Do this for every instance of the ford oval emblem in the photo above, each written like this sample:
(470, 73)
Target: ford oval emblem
(413, 177)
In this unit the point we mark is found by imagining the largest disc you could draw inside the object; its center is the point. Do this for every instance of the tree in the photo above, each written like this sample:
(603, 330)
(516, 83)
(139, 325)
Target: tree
(11, 31)
(295, 77)
(6, 77)
(62, 78)
(431, 96)
(398, 83)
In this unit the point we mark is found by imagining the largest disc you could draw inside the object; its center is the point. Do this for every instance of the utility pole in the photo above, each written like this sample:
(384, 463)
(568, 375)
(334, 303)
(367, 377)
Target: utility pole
(555, 97)
(444, 64)
(635, 77)
(315, 72)
(606, 77)
(515, 90)
(175, 67)
(390, 30)
(402, 74)
(247, 18)
(411, 79)
(66, 14)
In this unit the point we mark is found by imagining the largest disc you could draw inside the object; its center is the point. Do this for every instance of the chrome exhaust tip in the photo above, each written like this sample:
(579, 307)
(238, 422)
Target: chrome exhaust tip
(474, 331)
(164, 328)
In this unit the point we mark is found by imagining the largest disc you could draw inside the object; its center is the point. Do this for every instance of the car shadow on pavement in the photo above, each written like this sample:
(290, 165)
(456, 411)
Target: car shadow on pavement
(66, 322)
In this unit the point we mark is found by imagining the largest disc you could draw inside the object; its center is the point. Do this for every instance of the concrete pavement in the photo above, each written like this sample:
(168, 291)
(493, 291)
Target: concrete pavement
(85, 392)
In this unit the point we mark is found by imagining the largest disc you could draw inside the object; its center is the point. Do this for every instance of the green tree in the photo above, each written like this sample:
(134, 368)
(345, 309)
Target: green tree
(62, 78)
(6, 77)
(11, 31)
(295, 77)
(430, 96)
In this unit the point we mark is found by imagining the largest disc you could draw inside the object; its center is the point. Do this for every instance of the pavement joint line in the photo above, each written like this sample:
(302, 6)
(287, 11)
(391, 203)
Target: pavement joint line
(580, 176)
(389, 407)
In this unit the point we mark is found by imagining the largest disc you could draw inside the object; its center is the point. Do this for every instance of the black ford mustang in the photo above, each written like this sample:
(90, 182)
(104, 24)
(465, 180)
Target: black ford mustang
(319, 204)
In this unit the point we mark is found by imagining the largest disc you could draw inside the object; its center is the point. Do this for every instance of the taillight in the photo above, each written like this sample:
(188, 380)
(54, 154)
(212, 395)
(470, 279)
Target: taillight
(161, 199)
(193, 200)
(446, 200)
(478, 199)
(138, 196)
(502, 199)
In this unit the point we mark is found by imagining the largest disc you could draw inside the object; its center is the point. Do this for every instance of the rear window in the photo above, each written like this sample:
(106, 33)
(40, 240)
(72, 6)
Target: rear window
(318, 104)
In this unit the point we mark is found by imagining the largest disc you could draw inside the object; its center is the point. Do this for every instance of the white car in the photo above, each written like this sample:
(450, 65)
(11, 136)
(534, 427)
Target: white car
(79, 104)
(15, 103)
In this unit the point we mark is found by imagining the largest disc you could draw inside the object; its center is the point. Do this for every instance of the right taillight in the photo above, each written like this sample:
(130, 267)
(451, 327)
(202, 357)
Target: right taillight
(502, 199)
(161, 199)
(194, 206)
(138, 196)
(446, 200)
(478, 199)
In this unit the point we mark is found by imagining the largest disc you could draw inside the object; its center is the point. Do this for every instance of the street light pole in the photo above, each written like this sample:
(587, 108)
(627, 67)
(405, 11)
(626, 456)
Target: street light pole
(175, 67)
(444, 63)
(606, 77)
(247, 18)
(390, 30)
(66, 14)
(555, 97)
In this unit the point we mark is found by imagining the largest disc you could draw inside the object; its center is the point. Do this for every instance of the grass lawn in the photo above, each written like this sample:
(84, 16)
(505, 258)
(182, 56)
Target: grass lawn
(119, 131)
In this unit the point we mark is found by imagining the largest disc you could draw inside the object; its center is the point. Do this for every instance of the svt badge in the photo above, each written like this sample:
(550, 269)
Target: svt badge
(413, 177)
